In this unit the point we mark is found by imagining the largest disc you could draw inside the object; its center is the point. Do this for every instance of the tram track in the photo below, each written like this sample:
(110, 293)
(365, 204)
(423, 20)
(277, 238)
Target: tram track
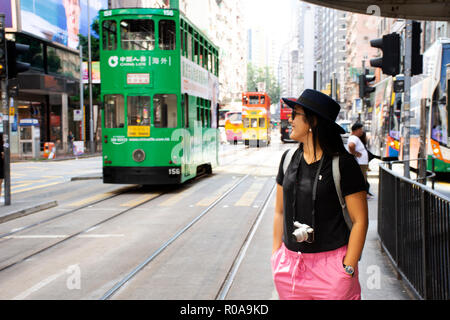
(131, 274)
(76, 234)
(229, 278)
(74, 210)
(9, 236)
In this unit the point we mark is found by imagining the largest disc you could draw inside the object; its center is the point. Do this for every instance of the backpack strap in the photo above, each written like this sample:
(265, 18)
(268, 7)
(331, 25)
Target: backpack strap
(288, 158)
(337, 184)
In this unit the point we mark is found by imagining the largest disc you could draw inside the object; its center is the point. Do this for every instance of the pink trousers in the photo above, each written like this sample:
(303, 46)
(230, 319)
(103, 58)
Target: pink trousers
(313, 276)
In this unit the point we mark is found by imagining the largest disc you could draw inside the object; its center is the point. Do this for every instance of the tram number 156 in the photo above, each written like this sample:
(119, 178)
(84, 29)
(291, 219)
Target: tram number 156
(174, 171)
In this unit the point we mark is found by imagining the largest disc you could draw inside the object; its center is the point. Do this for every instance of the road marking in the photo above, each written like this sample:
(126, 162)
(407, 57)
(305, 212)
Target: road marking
(62, 236)
(177, 197)
(140, 200)
(247, 198)
(91, 199)
(37, 187)
(206, 202)
(38, 286)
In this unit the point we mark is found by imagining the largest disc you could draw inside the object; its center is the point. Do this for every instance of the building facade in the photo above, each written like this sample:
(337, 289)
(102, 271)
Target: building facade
(361, 29)
(47, 94)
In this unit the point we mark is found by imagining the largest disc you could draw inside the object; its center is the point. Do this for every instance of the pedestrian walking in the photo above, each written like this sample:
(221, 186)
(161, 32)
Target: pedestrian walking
(315, 254)
(357, 148)
(70, 140)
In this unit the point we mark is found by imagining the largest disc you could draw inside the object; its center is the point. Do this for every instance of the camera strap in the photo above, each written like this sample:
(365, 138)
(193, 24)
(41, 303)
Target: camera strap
(314, 192)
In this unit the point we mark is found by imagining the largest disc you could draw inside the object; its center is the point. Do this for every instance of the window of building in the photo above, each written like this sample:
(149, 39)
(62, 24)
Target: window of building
(138, 111)
(109, 29)
(137, 34)
(62, 62)
(114, 111)
(167, 39)
(35, 55)
(165, 111)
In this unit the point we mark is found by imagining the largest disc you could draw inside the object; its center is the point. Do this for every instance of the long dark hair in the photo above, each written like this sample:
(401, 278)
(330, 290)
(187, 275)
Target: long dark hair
(325, 134)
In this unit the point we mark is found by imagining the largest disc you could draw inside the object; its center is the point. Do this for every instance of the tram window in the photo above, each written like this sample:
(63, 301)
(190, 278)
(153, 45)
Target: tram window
(114, 111)
(439, 123)
(137, 34)
(254, 123)
(235, 117)
(186, 111)
(246, 123)
(138, 111)
(109, 35)
(182, 42)
(165, 111)
(254, 100)
(196, 51)
(167, 35)
(202, 113)
(189, 46)
(262, 122)
(263, 99)
(210, 62)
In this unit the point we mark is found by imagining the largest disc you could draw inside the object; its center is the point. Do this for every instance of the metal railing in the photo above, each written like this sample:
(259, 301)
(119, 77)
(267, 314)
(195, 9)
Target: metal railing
(413, 227)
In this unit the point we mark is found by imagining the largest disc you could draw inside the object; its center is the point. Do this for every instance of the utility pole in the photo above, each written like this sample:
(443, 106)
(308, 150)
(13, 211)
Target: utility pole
(83, 123)
(91, 121)
(407, 99)
(5, 111)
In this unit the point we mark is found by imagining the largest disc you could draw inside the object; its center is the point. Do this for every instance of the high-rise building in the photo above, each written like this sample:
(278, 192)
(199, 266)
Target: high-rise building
(361, 29)
(224, 25)
(332, 43)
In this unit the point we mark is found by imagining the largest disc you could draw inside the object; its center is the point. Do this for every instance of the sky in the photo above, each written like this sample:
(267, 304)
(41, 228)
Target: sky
(275, 16)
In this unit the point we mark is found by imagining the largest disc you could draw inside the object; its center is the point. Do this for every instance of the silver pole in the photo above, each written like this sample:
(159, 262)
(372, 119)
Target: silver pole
(83, 124)
(91, 121)
(407, 99)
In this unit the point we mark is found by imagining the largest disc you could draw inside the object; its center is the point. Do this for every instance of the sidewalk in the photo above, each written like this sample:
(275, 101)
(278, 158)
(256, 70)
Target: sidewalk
(377, 276)
(20, 207)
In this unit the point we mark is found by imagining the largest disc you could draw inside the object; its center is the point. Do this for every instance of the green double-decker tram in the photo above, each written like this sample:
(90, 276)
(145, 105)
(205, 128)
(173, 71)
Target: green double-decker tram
(159, 85)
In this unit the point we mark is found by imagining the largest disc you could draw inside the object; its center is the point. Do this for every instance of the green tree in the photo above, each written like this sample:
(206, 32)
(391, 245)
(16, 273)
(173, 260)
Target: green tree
(255, 75)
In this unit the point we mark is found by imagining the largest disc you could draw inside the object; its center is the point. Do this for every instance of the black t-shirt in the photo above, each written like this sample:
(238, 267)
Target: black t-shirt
(330, 230)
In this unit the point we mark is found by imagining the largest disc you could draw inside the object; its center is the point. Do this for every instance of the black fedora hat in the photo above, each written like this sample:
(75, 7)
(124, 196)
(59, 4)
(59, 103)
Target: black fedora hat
(319, 103)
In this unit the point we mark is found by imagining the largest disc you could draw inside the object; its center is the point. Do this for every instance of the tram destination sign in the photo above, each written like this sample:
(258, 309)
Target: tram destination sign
(138, 78)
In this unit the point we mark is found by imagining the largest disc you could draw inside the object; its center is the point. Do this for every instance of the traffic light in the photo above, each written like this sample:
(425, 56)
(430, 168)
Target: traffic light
(3, 64)
(416, 57)
(16, 66)
(364, 88)
(390, 61)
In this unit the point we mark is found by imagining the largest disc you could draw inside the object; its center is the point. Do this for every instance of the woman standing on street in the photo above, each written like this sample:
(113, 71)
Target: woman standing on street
(319, 261)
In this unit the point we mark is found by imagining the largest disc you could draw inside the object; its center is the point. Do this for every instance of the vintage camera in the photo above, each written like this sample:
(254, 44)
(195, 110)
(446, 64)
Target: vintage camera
(303, 233)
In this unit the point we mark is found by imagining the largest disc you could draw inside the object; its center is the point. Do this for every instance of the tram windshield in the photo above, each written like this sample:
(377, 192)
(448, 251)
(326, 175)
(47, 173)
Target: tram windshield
(439, 124)
(137, 34)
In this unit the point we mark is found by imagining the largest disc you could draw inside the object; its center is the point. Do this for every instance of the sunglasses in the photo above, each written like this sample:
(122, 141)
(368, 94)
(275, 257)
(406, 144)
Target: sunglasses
(294, 113)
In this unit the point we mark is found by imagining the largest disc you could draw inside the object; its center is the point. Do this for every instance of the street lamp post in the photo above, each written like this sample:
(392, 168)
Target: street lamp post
(91, 121)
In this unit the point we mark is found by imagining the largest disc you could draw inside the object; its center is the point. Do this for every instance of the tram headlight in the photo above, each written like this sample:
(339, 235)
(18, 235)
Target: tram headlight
(138, 155)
